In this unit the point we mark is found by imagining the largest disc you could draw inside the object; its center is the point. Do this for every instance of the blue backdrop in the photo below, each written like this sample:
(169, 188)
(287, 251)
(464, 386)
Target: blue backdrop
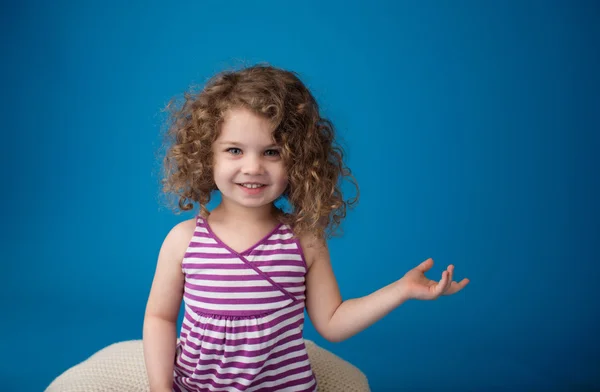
(472, 127)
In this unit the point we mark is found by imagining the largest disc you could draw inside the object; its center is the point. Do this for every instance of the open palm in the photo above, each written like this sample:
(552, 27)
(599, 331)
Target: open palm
(416, 285)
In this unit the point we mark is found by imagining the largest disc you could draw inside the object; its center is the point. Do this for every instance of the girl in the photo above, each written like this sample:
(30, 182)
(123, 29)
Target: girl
(247, 269)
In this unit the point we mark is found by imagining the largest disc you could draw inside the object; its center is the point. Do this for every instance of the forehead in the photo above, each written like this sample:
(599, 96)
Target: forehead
(243, 126)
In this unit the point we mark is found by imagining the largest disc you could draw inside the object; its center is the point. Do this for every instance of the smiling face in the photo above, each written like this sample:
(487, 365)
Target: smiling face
(248, 169)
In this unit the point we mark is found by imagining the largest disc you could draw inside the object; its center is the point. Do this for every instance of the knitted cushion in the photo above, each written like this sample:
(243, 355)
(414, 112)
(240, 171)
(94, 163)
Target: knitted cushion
(120, 368)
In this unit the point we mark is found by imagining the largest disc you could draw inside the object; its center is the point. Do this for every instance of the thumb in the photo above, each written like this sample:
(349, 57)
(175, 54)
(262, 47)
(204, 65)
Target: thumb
(425, 266)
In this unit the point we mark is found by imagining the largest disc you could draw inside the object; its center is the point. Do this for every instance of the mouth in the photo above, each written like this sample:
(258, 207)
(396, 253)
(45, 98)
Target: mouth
(251, 185)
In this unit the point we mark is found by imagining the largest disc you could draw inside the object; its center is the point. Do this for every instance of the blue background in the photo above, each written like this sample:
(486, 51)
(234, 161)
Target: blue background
(472, 127)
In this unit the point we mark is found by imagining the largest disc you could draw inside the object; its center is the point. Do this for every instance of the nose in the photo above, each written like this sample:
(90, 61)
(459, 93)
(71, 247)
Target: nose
(253, 165)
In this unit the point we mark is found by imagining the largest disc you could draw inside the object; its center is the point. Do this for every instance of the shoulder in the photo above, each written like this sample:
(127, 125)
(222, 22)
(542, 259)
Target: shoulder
(183, 229)
(178, 238)
(313, 247)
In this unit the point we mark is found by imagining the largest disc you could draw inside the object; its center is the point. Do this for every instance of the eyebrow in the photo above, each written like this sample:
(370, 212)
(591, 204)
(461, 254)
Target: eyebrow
(241, 145)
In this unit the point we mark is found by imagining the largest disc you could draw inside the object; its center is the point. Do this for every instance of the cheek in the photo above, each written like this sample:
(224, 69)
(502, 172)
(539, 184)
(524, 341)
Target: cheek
(283, 178)
(280, 171)
(219, 171)
(221, 165)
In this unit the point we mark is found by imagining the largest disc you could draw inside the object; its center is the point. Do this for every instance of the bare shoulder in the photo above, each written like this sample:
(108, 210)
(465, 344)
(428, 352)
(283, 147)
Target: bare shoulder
(178, 238)
(167, 286)
(313, 247)
(184, 229)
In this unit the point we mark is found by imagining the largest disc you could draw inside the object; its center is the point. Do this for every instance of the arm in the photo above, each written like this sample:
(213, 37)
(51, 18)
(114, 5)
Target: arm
(162, 309)
(337, 320)
(334, 319)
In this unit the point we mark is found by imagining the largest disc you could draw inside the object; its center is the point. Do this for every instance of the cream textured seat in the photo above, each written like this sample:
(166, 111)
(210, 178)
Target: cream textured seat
(120, 368)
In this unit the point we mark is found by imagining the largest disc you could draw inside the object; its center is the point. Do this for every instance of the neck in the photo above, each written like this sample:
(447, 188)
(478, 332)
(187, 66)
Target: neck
(234, 213)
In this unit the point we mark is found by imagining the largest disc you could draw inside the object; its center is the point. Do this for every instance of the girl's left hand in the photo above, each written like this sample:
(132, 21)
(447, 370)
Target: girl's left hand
(415, 285)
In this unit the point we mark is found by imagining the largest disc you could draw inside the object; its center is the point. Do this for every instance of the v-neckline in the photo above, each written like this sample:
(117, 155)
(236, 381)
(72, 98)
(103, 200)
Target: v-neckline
(245, 252)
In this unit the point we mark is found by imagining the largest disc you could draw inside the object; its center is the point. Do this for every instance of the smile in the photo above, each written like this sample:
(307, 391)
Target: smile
(251, 185)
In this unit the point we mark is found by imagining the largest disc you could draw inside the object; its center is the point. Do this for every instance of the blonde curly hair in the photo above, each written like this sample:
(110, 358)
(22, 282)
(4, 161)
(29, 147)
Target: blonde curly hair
(313, 159)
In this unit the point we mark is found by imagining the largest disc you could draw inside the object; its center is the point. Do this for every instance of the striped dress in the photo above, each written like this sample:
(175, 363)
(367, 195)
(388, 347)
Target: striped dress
(244, 316)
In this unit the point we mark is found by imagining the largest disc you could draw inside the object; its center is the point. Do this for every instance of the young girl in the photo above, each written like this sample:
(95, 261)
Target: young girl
(247, 269)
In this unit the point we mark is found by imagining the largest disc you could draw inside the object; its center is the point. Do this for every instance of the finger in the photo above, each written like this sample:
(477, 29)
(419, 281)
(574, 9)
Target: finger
(456, 287)
(441, 286)
(450, 276)
(425, 266)
(463, 283)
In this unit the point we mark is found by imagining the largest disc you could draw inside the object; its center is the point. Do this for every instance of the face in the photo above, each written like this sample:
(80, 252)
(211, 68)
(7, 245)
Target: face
(248, 169)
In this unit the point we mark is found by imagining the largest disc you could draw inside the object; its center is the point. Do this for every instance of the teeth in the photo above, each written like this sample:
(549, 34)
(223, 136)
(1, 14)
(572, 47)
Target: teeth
(251, 186)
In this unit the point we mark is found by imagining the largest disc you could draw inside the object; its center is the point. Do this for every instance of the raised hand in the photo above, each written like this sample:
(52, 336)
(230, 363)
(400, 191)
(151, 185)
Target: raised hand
(415, 285)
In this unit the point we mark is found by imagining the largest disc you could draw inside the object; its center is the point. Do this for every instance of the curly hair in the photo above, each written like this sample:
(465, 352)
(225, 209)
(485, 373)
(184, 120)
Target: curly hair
(314, 161)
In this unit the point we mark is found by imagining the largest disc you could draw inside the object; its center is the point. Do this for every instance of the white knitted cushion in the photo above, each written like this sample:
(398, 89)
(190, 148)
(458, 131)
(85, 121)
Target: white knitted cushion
(120, 368)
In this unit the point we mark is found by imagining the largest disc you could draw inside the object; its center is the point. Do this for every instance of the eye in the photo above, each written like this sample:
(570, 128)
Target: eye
(272, 153)
(234, 151)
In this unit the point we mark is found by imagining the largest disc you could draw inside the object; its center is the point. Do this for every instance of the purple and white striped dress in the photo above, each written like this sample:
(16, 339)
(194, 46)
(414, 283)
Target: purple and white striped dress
(244, 316)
